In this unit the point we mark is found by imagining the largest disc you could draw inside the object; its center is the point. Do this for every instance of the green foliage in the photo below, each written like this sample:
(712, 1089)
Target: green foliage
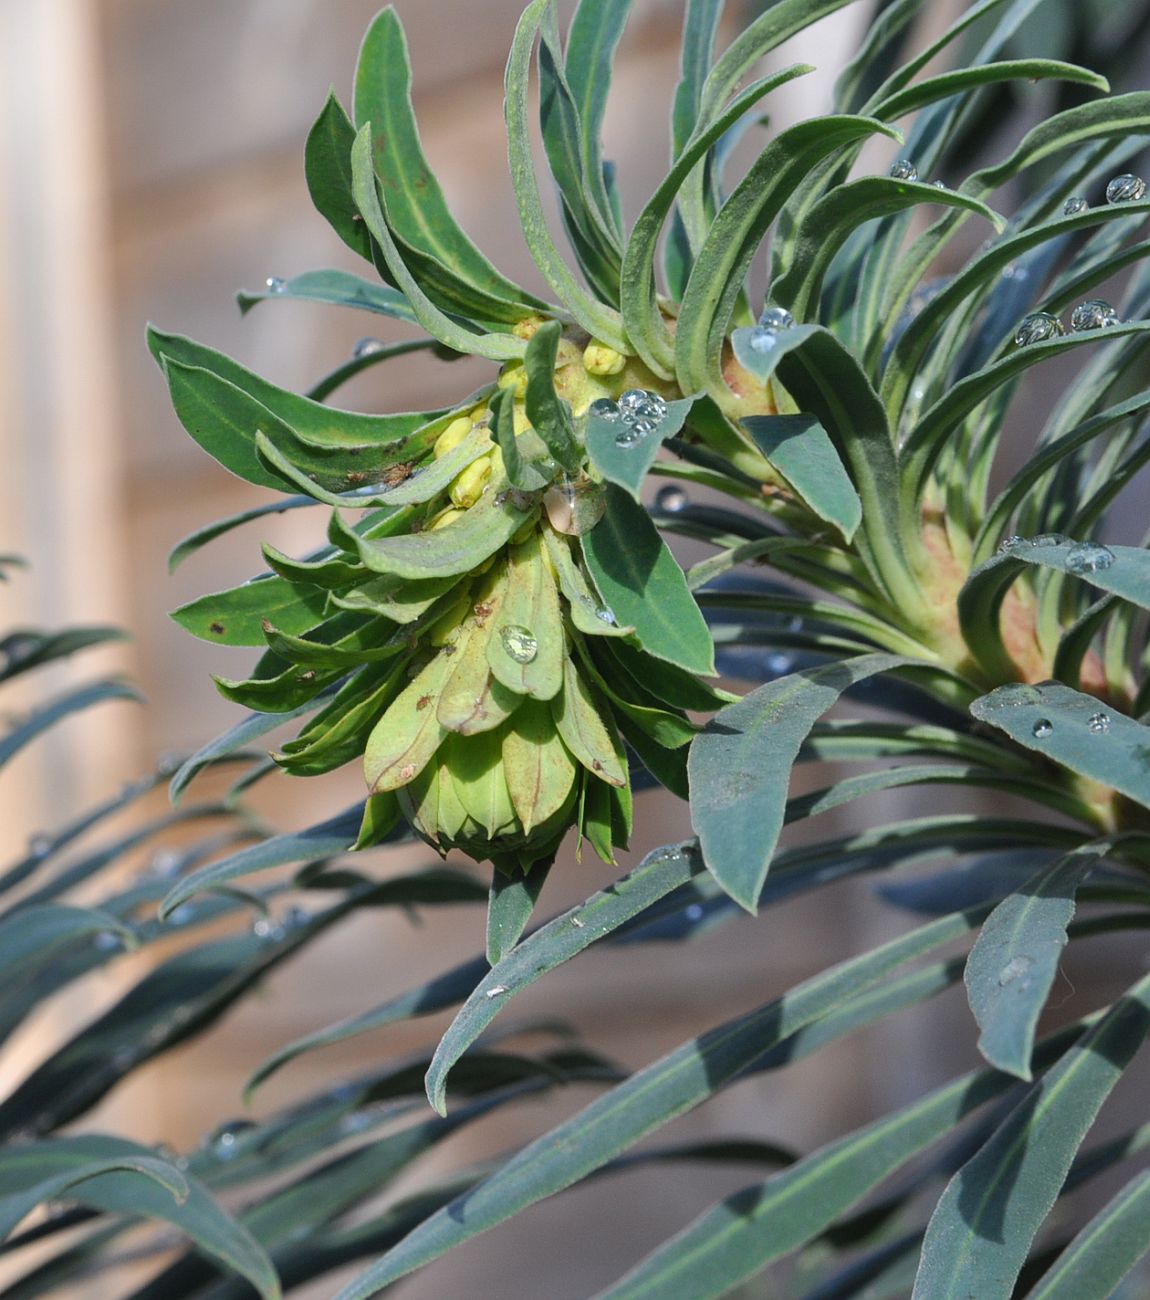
(496, 629)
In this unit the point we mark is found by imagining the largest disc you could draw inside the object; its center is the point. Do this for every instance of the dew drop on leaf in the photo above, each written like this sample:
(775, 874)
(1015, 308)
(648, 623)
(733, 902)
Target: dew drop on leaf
(275, 284)
(496, 991)
(1126, 188)
(1011, 543)
(1037, 328)
(519, 643)
(1042, 728)
(903, 170)
(671, 499)
(603, 408)
(1093, 314)
(367, 348)
(223, 1141)
(1047, 539)
(1074, 205)
(629, 437)
(1014, 969)
(1098, 722)
(1089, 557)
(774, 319)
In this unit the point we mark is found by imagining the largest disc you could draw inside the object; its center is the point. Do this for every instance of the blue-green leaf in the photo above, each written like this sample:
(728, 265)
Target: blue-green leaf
(336, 288)
(45, 718)
(981, 1230)
(740, 766)
(1075, 730)
(624, 459)
(643, 586)
(1014, 962)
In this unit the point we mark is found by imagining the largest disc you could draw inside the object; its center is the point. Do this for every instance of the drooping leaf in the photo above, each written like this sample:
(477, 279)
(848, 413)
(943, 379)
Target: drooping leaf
(1015, 960)
(335, 288)
(740, 766)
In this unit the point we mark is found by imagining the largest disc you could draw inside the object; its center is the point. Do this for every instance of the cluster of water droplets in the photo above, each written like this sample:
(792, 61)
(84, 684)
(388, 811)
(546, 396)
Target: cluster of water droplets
(1018, 694)
(1082, 559)
(275, 284)
(772, 322)
(638, 410)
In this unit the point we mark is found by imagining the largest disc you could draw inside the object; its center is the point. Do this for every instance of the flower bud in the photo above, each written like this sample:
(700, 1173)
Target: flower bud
(514, 376)
(599, 359)
(468, 486)
(452, 436)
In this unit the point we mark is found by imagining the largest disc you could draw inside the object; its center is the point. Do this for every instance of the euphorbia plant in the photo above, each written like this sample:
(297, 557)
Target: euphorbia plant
(496, 629)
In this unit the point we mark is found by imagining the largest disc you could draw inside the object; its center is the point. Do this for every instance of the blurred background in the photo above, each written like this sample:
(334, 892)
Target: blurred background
(152, 161)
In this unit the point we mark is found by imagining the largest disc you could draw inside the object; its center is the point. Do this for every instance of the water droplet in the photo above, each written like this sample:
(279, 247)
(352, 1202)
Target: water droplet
(519, 643)
(1093, 314)
(1014, 694)
(605, 615)
(39, 846)
(1126, 188)
(1011, 543)
(168, 764)
(940, 185)
(694, 912)
(108, 941)
(223, 1142)
(1042, 728)
(603, 408)
(275, 284)
(356, 1122)
(1089, 557)
(778, 663)
(1037, 328)
(629, 437)
(903, 170)
(496, 991)
(1074, 205)
(165, 865)
(1098, 722)
(577, 923)
(295, 917)
(671, 499)
(182, 914)
(644, 428)
(165, 1151)
(1047, 539)
(267, 929)
(638, 406)
(774, 319)
(367, 347)
(762, 340)
(794, 623)
(1014, 969)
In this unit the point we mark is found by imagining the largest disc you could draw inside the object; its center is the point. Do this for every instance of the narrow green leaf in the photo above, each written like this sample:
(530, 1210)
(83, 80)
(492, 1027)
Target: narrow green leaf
(23, 649)
(736, 1238)
(683, 1079)
(799, 448)
(600, 321)
(591, 44)
(1013, 964)
(337, 289)
(660, 872)
(47, 716)
(1094, 1263)
(961, 81)
(550, 415)
(643, 586)
(723, 260)
(236, 617)
(416, 209)
(510, 903)
(457, 548)
(476, 342)
(326, 840)
(1075, 730)
(645, 324)
(327, 167)
(390, 437)
(189, 545)
(981, 1230)
(31, 937)
(162, 1192)
(520, 464)
(625, 461)
(740, 766)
